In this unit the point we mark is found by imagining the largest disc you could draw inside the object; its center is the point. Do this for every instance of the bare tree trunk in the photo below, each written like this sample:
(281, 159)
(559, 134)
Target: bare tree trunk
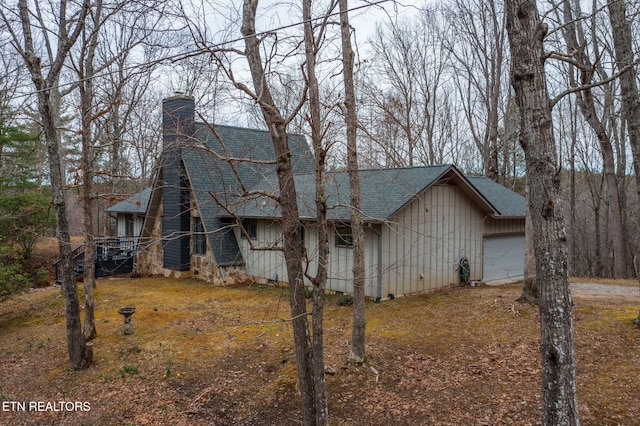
(75, 339)
(576, 44)
(530, 285)
(598, 267)
(86, 73)
(48, 109)
(526, 34)
(89, 277)
(356, 354)
(495, 89)
(572, 199)
(623, 47)
(320, 279)
(276, 125)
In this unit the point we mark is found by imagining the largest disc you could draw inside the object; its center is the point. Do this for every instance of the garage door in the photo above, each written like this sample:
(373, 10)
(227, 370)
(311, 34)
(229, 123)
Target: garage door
(503, 257)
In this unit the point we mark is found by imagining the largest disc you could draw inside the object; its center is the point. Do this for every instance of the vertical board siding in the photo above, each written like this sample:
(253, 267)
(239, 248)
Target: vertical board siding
(504, 226)
(340, 274)
(121, 219)
(421, 246)
(267, 264)
(121, 223)
(425, 241)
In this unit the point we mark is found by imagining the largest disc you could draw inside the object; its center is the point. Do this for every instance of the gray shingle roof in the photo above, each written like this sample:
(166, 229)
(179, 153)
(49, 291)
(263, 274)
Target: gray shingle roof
(383, 192)
(507, 202)
(215, 183)
(136, 204)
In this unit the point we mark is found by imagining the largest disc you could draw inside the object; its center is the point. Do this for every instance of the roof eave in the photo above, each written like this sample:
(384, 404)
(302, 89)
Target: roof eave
(468, 189)
(429, 185)
(505, 217)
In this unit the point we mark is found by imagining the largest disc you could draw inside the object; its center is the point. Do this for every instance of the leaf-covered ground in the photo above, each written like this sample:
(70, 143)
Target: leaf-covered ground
(202, 355)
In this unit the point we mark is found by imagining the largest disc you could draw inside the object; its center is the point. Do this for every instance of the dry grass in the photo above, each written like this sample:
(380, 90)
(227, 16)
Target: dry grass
(206, 355)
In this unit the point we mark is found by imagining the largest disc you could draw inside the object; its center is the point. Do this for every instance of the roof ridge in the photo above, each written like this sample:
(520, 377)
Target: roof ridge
(384, 169)
(422, 166)
(229, 126)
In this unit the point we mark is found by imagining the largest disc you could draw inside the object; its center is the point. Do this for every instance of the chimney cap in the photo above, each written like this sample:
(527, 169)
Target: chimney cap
(178, 96)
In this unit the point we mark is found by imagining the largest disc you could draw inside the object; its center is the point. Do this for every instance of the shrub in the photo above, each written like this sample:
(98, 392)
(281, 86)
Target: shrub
(346, 300)
(25, 217)
(13, 279)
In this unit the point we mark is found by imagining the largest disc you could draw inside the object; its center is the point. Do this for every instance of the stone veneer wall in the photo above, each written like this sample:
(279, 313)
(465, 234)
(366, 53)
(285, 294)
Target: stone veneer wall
(149, 255)
(205, 268)
(149, 260)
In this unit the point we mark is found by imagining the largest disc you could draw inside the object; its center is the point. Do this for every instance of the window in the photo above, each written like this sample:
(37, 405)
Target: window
(199, 237)
(344, 238)
(128, 226)
(250, 228)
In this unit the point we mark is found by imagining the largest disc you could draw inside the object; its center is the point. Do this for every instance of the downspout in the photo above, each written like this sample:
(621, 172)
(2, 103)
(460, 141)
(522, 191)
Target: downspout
(379, 279)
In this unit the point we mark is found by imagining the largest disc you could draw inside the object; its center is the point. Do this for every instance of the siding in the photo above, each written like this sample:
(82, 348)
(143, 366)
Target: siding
(504, 226)
(177, 127)
(422, 246)
(270, 265)
(423, 243)
(176, 221)
(121, 224)
(267, 264)
(340, 277)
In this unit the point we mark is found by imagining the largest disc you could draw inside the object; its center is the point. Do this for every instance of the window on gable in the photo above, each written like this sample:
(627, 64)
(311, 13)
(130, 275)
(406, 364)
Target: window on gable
(199, 237)
(250, 228)
(344, 237)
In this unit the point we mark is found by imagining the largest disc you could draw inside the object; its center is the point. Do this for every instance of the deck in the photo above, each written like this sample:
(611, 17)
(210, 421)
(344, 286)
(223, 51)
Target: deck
(114, 256)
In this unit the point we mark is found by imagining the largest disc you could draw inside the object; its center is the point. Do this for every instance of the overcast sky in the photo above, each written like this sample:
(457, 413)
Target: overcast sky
(365, 20)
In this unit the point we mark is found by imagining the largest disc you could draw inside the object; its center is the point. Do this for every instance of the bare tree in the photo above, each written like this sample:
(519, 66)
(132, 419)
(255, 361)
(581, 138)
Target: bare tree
(45, 64)
(86, 72)
(477, 44)
(277, 127)
(526, 34)
(280, 96)
(403, 88)
(312, 46)
(530, 283)
(90, 63)
(574, 34)
(630, 102)
(356, 354)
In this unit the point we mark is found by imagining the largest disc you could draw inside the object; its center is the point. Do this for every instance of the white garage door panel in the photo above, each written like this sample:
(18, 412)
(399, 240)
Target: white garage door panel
(503, 257)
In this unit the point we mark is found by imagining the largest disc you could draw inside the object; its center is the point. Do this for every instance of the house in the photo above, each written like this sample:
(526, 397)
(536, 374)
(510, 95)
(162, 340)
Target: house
(210, 215)
(114, 256)
(129, 214)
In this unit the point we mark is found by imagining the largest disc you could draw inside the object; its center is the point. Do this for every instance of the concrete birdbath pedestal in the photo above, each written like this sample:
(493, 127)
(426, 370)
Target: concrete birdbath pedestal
(127, 311)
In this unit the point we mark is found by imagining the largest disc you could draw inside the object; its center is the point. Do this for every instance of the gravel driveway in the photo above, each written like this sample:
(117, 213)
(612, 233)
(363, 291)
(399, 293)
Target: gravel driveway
(606, 290)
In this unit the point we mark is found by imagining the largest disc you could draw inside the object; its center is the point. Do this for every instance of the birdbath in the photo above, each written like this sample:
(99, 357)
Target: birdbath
(127, 311)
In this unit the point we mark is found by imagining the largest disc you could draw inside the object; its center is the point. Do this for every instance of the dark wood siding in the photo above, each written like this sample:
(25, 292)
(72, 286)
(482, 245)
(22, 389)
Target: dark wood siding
(175, 223)
(178, 128)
